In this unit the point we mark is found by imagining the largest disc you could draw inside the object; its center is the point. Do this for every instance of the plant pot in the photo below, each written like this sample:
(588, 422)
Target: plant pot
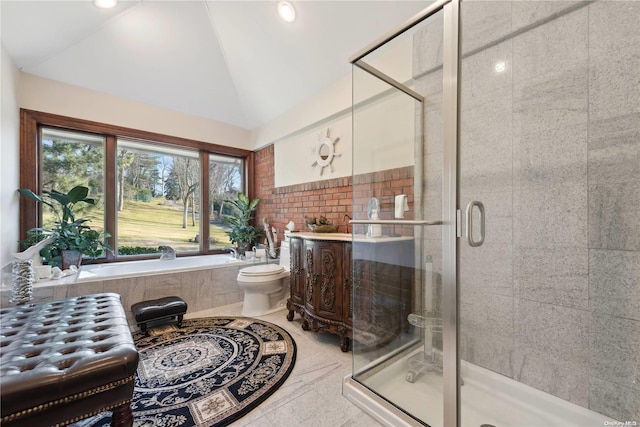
(70, 258)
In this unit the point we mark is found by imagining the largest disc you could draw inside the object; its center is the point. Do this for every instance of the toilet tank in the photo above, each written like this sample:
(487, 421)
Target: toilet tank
(285, 257)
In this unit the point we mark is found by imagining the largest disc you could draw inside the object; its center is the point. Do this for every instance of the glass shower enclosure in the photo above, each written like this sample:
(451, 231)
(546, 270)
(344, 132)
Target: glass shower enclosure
(496, 205)
(398, 294)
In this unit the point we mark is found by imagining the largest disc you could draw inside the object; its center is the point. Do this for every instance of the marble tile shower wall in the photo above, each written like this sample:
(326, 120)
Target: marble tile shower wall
(551, 146)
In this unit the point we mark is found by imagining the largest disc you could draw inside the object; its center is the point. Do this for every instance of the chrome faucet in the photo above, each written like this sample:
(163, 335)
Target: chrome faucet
(233, 252)
(167, 252)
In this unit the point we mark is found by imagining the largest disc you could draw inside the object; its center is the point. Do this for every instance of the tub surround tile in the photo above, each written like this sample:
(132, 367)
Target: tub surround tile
(45, 293)
(227, 298)
(187, 288)
(131, 290)
(163, 285)
(614, 217)
(556, 276)
(201, 295)
(613, 283)
(88, 288)
(614, 350)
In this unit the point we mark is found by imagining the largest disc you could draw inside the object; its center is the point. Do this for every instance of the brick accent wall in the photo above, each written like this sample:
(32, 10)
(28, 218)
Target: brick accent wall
(332, 198)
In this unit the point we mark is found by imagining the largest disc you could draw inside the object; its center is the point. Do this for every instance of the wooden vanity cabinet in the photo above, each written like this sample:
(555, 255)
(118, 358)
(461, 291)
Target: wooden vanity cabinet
(296, 247)
(321, 286)
(322, 282)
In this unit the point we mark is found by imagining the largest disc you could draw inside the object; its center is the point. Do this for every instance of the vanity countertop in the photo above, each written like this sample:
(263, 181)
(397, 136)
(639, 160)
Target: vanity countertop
(348, 237)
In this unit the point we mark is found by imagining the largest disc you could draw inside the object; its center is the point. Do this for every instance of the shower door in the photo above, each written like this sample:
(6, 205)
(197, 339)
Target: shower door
(403, 284)
(549, 145)
(516, 265)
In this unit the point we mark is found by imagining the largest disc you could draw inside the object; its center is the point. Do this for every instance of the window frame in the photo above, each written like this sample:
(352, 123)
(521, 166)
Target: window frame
(31, 175)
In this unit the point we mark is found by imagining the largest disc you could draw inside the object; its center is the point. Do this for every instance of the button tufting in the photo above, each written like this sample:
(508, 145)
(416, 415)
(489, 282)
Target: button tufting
(33, 354)
(68, 350)
(37, 339)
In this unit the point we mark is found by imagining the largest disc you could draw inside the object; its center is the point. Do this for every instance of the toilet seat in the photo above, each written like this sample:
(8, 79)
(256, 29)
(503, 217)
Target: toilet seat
(262, 270)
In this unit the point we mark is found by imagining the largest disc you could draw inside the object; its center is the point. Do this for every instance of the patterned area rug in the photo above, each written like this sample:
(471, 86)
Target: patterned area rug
(210, 372)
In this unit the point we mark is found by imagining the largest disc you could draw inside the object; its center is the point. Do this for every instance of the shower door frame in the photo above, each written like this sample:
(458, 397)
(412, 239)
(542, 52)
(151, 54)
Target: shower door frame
(451, 215)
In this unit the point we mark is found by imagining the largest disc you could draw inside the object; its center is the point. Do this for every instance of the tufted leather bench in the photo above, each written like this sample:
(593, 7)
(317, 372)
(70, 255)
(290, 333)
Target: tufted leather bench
(65, 360)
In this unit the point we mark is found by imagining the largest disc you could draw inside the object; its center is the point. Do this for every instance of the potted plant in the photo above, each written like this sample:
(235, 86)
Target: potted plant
(72, 238)
(242, 233)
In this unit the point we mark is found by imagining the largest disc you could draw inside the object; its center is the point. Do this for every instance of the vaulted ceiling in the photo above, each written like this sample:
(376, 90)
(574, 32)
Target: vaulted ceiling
(232, 61)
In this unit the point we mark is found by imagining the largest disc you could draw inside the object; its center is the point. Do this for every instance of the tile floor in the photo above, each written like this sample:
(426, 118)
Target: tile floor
(312, 395)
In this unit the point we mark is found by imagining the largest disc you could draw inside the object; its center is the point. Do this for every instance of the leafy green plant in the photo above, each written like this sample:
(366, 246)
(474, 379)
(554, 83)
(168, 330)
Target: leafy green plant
(138, 250)
(69, 232)
(242, 233)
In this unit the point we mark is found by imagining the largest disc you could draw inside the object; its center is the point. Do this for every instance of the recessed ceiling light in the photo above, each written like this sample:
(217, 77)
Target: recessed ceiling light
(105, 4)
(286, 11)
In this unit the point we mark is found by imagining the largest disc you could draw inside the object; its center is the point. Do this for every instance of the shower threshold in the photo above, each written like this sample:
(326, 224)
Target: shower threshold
(486, 398)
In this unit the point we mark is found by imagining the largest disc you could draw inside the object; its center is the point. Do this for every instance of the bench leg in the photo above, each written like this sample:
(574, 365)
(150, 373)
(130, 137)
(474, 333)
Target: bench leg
(180, 320)
(122, 416)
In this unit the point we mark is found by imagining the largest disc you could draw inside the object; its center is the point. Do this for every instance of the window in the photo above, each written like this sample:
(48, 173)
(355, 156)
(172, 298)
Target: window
(151, 190)
(225, 178)
(70, 159)
(157, 198)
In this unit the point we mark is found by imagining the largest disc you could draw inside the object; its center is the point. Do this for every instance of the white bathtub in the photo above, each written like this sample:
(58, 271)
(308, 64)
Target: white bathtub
(486, 398)
(152, 267)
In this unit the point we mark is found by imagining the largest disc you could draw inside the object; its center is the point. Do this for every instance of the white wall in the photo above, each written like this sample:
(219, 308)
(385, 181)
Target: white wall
(389, 143)
(10, 145)
(59, 98)
(294, 156)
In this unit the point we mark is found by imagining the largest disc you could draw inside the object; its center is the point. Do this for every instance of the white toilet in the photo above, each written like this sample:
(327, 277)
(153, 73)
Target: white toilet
(265, 286)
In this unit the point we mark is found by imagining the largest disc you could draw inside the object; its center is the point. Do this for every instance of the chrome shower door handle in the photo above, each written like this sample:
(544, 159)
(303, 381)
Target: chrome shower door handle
(469, 228)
